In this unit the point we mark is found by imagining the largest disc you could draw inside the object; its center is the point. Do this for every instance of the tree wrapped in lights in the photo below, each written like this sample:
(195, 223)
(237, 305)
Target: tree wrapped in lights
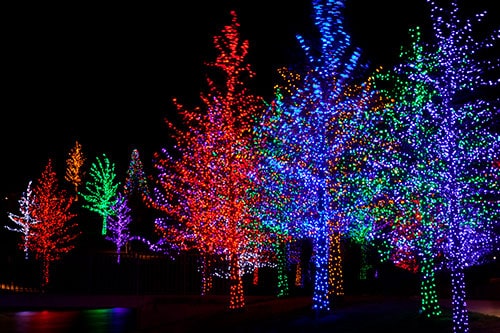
(408, 215)
(55, 232)
(468, 146)
(279, 191)
(136, 179)
(205, 192)
(100, 190)
(334, 113)
(74, 163)
(118, 224)
(25, 220)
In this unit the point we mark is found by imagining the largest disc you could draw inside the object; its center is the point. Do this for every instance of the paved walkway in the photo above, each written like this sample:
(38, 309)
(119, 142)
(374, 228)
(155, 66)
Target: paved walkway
(35, 301)
(170, 313)
(487, 307)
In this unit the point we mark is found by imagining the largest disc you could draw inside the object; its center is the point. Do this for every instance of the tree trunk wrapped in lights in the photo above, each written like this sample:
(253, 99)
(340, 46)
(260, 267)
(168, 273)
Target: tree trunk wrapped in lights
(448, 186)
(464, 113)
(333, 116)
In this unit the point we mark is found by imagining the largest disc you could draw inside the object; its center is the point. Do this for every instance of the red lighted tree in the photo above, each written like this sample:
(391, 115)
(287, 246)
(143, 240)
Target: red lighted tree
(55, 232)
(206, 189)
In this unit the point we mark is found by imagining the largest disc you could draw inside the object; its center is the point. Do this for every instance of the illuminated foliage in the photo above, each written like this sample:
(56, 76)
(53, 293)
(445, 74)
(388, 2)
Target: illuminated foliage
(408, 216)
(25, 220)
(334, 116)
(467, 144)
(445, 211)
(55, 232)
(74, 174)
(136, 179)
(279, 192)
(206, 191)
(118, 223)
(100, 189)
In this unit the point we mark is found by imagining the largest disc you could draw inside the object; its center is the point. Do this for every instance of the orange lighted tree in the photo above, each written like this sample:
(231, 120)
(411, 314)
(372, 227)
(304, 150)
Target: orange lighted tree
(55, 233)
(206, 190)
(74, 163)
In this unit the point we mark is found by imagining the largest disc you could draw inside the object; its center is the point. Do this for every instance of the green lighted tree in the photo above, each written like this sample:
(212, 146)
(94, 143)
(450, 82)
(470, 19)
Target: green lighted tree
(101, 189)
(418, 170)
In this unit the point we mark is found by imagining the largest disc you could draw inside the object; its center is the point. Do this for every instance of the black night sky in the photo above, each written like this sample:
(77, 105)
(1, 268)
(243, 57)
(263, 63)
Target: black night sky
(105, 74)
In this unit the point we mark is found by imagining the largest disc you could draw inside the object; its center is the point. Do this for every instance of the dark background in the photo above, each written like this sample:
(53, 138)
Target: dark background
(105, 74)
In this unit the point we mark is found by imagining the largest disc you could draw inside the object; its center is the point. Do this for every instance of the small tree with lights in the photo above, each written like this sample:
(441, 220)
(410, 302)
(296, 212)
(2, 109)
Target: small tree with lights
(55, 232)
(101, 189)
(24, 221)
(74, 163)
(118, 224)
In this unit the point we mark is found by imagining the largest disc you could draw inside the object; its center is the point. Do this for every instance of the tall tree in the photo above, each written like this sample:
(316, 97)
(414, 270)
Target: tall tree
(413, 230)
(206, 190)
(74, 163)
(464, 114)
(334, 109)
(24, 221)
(101, 189)
(54, 235)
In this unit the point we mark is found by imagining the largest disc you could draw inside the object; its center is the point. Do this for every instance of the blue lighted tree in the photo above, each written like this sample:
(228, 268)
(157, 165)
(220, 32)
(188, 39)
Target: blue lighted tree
(335, 114)
(280, 192)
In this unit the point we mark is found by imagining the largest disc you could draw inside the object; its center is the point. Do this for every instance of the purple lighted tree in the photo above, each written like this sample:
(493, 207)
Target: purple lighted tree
(118, 223)
(468, 146)
(459, 193)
